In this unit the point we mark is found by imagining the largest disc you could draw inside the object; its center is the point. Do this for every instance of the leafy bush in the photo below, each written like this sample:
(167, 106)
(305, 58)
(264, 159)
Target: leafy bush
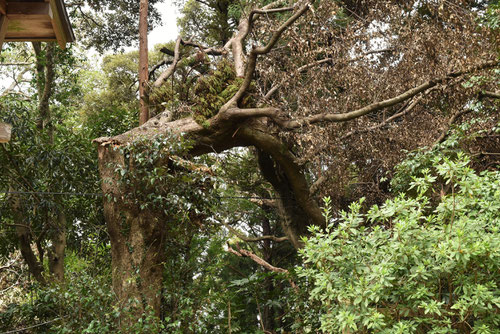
(428, 262)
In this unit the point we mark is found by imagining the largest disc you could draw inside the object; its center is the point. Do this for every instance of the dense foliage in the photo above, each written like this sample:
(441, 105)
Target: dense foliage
(426, 261)
(218, 198)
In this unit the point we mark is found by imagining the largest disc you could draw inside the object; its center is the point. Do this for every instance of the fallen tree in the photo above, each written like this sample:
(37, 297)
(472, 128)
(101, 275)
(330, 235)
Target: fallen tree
(287, 117)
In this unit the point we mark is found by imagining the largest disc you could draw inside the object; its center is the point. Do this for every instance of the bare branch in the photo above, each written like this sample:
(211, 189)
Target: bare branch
(253, 239)
(495, 95)
(452, 120)
(205, 49)
(405, 110)
(244, 28)
(157, 66)
(171, 69)
(16, 64)
(15, 83)
(244, 253)
(262, 50)
(327, 117)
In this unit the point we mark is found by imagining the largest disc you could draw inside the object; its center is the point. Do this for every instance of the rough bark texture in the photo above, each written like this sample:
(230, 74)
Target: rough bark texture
(143, 61)
(56, 252)
(137, 242)
(24, 237)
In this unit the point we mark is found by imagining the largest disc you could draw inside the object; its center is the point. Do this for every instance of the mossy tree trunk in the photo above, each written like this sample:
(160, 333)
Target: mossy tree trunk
(137, 243)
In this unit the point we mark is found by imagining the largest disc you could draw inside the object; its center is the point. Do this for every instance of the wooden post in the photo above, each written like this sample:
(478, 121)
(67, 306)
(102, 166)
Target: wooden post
(57, 25)
(5, 130)
(143, 61)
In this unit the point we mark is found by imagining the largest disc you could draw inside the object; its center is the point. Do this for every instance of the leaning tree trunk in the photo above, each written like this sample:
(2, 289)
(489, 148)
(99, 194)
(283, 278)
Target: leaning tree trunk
(138, 236)
(137, 242)
(24, 236)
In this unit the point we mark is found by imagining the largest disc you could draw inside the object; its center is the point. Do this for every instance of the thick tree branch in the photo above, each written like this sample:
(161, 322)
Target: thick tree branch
(211, 51)
(326, 117)
(157, 66)
(171, 69)
(405, 110)
(236, 43)
(244, 253)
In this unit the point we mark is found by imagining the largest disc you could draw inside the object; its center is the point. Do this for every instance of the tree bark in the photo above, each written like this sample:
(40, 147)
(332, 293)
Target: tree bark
(137, 243)
(143, 62)
(57, 250)
(23, 234)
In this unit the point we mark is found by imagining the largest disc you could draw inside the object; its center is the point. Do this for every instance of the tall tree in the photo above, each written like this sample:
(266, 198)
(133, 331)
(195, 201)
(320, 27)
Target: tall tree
(300, 82)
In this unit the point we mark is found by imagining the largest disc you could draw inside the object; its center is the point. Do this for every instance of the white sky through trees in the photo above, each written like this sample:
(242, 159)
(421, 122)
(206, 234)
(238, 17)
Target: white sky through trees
(168, 31)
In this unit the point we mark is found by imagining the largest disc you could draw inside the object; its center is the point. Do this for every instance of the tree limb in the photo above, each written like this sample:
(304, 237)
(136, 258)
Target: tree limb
(262, 50)
(244, 253)
(253, 239)
(450, 122)
(495, 95)
(343, 117)
(171, 69)
(205, 49)
(157, 66)
(399, 114)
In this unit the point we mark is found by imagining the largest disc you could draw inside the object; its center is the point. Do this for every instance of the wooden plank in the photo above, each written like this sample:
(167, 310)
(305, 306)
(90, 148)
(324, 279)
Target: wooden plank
(3, 7)
(57, 25)
(5, 131)
(3, 29)
(29, 29)
(29, 11)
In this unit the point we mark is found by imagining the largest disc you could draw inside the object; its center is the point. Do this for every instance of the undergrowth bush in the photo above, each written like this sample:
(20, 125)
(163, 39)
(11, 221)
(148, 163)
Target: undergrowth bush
(427, 261)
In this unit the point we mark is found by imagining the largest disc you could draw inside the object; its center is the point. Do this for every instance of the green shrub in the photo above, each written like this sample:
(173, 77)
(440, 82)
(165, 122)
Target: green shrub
(425, 263)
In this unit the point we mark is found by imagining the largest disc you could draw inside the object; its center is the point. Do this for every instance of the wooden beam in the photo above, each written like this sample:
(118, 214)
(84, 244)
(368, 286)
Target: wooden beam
(5, 131)
(57, 25)
(29, 11)
(3, 29)
(3, 7)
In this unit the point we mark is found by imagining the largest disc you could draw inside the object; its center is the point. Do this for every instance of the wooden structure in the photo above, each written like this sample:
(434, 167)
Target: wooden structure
(35, 20)
(5, 130)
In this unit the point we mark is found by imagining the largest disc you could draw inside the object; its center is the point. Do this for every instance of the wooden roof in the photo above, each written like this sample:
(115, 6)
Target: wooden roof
(35, 20)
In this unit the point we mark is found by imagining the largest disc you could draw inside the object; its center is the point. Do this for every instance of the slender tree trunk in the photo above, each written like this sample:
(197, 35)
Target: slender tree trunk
(137, 242)
(143, 62)
(56, 252)
(23, 234)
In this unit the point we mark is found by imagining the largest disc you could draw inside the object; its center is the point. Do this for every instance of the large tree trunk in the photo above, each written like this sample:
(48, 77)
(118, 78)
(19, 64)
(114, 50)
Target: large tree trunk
(137, 242)
(137, 236)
